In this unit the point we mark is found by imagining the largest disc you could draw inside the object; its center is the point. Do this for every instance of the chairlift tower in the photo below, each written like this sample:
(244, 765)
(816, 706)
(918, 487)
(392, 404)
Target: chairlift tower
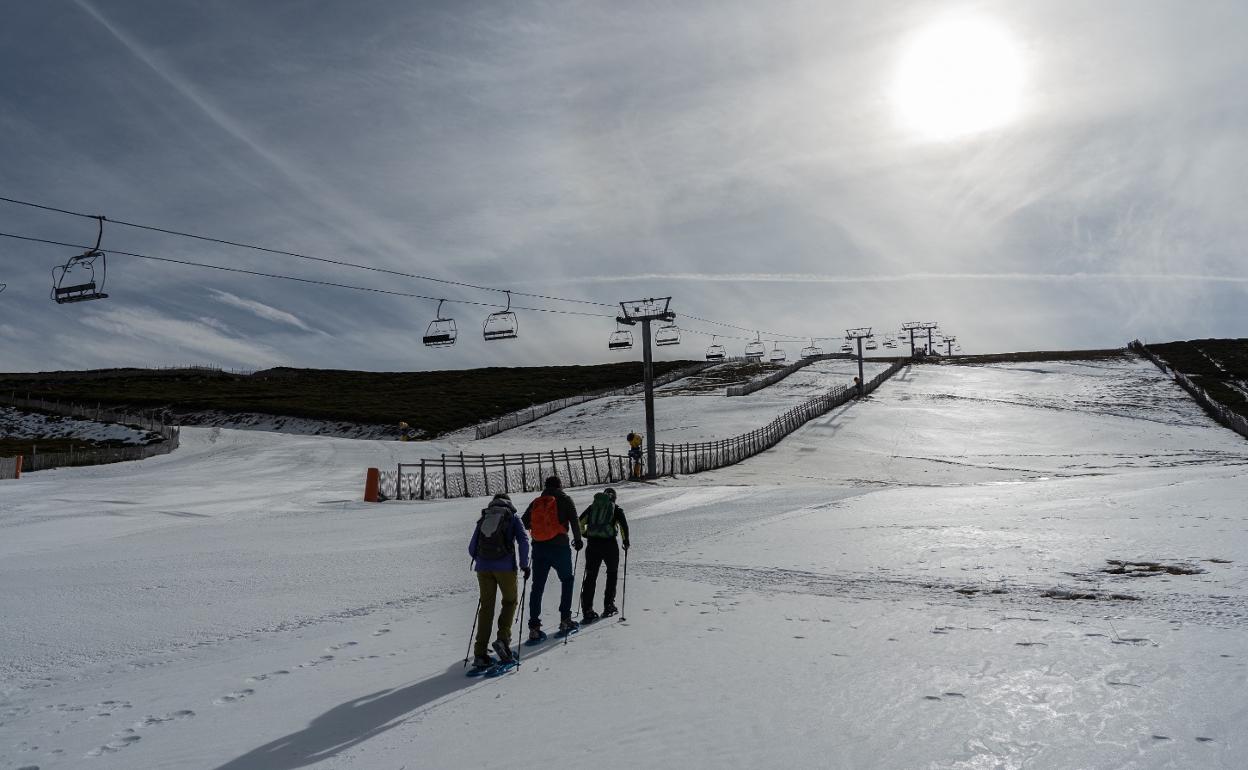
(643, 311)
(859, 335)
(949, 344)
(910, 327)
(929, 327)
(922, 328)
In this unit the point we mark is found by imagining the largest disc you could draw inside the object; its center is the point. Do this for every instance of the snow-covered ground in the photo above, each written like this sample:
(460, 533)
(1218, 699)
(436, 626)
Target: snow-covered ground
(892, 586)
(299, 426)
(682, 416)
(20, 424)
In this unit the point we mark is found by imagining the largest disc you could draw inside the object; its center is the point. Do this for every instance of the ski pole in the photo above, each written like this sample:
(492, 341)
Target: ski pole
(519, 610)
(473, 632)
(575, 559)
(624, 587)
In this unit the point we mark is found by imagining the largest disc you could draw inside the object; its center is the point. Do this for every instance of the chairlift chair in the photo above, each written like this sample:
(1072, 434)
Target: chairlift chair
(668, 334)
(501, 325)
(847, 348)
(441, 332)
(872, 345)
(778, 356)
(621, 339)
(716, 351)
(811, 351)
(755, 350)
(75, 280)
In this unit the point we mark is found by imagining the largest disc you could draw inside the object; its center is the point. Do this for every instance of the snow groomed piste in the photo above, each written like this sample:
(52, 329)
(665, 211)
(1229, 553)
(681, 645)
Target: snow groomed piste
(1040, 565)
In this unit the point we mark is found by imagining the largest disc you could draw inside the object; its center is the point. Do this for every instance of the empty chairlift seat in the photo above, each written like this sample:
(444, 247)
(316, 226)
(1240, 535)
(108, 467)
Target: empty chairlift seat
(755, 350)
(812, 350)
(77, 280)
(441, 332)
(667, 335)
(501, 325)
(621, 339)
(778, 356)
(716, 351)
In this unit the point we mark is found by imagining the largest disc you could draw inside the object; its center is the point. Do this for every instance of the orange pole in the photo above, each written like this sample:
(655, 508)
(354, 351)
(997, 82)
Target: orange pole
(372, 483)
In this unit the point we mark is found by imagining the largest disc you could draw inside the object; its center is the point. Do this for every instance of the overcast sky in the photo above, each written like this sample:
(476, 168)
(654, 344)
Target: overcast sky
(1043, 175)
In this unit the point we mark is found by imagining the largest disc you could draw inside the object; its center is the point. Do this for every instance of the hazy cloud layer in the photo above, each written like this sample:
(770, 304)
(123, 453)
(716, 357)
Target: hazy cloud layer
(746, 158)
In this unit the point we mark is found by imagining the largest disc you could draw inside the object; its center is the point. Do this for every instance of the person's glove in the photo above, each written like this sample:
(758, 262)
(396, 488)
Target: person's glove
(527, 572)
(625, 545)
(579, 544)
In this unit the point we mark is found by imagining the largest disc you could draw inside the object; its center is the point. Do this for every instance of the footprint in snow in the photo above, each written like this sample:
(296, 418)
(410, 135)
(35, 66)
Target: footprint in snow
(150, 720)
(336, 647)
(233, 697)
(120, 741)
(381, 631)
(316, 662)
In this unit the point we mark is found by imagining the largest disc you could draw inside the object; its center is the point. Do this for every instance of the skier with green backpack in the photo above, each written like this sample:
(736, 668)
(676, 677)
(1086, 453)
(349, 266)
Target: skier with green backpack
(600, 523)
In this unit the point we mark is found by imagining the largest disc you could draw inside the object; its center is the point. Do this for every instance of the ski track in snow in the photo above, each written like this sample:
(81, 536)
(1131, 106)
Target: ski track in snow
(1000, 566)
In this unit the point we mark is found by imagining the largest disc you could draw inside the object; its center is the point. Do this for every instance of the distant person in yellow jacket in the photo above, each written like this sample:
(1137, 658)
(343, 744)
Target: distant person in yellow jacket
(634, 454)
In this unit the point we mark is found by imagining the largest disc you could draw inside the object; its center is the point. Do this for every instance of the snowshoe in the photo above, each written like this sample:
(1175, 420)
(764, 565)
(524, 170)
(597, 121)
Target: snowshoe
(503, 651)
(481, 664)
(567, 628)
(498, 669)
(589, 616)
(610, 610)
(533, 641)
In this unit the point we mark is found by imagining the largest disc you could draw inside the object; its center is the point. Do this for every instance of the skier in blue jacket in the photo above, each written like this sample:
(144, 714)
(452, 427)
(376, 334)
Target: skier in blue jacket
(493, 549)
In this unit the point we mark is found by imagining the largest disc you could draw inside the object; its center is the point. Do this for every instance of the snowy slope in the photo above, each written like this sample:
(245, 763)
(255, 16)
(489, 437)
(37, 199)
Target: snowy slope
(681, 416)
(883, 589)
(17, 423)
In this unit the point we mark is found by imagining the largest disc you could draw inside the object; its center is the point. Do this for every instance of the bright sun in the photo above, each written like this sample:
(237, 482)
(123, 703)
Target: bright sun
(958, 78)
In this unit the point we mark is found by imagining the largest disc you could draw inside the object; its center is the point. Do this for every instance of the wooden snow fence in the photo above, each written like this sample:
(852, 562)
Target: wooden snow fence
(708, 455)
(774, 377)
(10, 467)
(152, 421)
(464, 475)
(538, 411)
(1216, 410)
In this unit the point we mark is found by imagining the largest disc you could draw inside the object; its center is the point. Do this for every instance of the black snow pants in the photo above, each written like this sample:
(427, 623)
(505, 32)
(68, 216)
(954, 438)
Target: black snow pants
(600, 550)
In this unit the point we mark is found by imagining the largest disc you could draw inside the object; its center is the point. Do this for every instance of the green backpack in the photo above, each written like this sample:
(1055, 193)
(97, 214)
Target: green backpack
(601, 519)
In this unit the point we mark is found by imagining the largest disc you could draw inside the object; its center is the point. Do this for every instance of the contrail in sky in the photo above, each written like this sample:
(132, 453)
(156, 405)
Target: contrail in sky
(900, 278)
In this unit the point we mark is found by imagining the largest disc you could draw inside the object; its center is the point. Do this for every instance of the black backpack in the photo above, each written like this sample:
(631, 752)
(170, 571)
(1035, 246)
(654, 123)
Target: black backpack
(494, 534)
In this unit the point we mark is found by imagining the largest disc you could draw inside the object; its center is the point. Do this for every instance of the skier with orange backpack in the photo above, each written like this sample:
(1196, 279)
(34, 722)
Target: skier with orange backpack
(549, 518)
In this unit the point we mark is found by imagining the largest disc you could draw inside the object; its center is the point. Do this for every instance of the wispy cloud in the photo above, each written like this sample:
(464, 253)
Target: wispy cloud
(903, 278)
(142, 337)
(261, 310)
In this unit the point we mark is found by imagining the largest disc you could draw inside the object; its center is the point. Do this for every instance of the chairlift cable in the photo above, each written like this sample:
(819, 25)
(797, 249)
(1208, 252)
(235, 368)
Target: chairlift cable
(355, 265)
(281, 252)
(297, 279)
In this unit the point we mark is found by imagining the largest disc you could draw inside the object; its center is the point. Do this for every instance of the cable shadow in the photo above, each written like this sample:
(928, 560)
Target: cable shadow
(360, 719)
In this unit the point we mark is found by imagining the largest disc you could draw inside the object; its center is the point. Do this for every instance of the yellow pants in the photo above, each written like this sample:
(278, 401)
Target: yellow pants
(490, 583)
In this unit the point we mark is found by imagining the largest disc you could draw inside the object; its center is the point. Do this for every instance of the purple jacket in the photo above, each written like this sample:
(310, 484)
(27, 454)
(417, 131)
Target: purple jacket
(517, 535)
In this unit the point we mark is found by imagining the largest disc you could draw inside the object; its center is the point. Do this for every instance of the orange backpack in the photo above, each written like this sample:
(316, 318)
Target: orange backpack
(544, 519)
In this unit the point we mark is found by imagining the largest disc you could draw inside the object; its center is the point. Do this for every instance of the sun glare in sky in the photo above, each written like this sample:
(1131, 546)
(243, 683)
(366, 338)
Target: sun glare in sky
(958, 78)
